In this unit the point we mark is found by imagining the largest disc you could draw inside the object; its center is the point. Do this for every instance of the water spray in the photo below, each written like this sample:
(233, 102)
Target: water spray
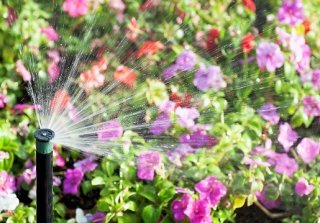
(44, 174)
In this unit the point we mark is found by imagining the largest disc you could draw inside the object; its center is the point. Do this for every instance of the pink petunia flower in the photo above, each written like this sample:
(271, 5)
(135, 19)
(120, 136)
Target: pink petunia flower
(178, 207)
(3, 100)
(22, 70)
(308, 150)
(211, 189)
(198, 211)
(302, 187)
(270, 204)
(7, 183)
(75, 8)
(287, 136)
(186, 116)
(50, 33)
(291, 12)
(269, 56)
(86, 164)
(316, 79)
(209, 78)
(148, 162)
(283, 164)
(269, 113)
(311, 106)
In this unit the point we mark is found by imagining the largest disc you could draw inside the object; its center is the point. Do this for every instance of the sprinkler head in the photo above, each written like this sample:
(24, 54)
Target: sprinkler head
(44, 135)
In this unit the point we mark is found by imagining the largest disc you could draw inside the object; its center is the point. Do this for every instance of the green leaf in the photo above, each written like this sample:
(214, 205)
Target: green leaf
(150, 214)
(60, 209)
(148, 192)
(97, 181)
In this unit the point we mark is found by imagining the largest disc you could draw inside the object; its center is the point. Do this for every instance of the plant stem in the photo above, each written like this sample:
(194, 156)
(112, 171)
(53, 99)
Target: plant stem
(270, 214)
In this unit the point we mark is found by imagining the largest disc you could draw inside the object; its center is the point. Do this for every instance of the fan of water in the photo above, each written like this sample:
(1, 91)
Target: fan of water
(95, 100)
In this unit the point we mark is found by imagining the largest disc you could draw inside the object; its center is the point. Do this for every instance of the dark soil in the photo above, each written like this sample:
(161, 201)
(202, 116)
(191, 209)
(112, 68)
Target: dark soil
(253, 214)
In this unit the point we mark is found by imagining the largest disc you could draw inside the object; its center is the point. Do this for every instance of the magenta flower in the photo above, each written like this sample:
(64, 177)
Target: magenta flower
(311, 106)
(269, 113)
(29, 175)
(209, 78)
(161, 124)
(211, 189)
(72, 181)
(198, 139)
(7, 183)
(316, 79)
(287, 136)
(110, 130)
(198, 211)
(50, 33)
(186, 116)
(269, 56)
(302, 187)
(22, 70)
(254, 162)
(308, 150)
(270, 204)
(59, 160)
(170, 71)
(3, 100)
(75, 8)
(291, 12)
(178, 207)
(186, 61)
(86, 164)
(148, 162)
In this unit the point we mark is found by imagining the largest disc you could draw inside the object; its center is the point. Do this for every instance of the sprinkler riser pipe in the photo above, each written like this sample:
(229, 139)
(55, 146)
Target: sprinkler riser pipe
(44, 154)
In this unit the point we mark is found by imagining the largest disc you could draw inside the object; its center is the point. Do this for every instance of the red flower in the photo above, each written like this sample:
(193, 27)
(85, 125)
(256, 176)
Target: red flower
(148, 4)
(181, 102)
(249, 4)
(306, 24)
(125, 75)
(212, 39)
(247, 43)
(60, 100)
(148, 48)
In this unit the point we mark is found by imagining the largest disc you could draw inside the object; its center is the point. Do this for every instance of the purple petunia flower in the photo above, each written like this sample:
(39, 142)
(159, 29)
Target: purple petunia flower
(167, 107)
(254, 162)
(170, 71)
(287, 136)
(270, 204)
(198, 139)
(56, 181)
(178, 207)
(3, 100)
(97, 217)
(110, 130)
(186, 61)
(7, 183)
(303, 63)
(198, 211)
(209, 78)
(186, 116)
(72, 181)
(308, 150)
(302, 187)
(161, 124)
(316, 79)
(311, 106)
(86, 164)
(211, 189)
(147, 164)
(269, 113)
(291, 12)
(269, 56)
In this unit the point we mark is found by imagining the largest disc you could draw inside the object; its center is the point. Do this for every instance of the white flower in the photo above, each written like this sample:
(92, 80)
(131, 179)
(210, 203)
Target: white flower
(8, 202)
(80, 217)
